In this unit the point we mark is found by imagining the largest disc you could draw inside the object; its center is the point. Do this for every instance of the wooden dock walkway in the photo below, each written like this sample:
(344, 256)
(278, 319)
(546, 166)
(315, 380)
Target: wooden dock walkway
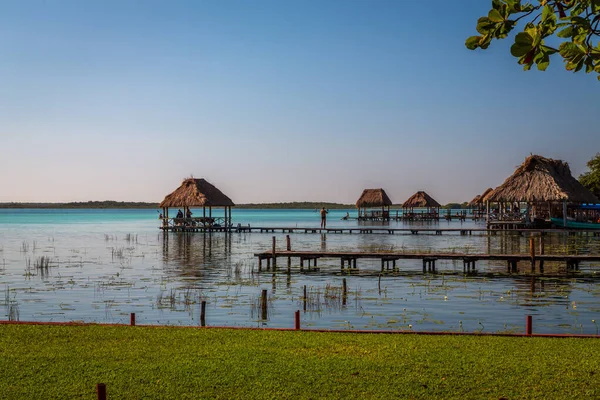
(388, 259)
(375, 230)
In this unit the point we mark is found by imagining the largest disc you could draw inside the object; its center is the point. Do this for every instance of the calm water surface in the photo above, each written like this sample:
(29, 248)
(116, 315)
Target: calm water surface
(105, 264)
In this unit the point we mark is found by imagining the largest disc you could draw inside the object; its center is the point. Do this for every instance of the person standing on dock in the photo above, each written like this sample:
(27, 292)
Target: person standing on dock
(324, 218)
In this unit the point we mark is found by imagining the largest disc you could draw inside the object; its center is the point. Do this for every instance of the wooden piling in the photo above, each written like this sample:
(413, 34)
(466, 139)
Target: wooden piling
(203, 313)
(263, 303)
(541, 253)
(379, 283)
(101, 391)
(304, 298)
(132, 319)
(532, 253)
(529, 325)
(274, 252)
(297, 320)
(288, 243)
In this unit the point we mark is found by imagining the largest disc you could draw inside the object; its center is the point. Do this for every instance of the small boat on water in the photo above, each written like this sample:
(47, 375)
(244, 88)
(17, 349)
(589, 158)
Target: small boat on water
(571, 224)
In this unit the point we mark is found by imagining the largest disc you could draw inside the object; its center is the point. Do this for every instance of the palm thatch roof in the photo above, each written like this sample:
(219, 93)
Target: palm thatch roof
(475, 200)
(479, 198)
(420, 199)
(373, 198)
(196, 193)
(541, 179)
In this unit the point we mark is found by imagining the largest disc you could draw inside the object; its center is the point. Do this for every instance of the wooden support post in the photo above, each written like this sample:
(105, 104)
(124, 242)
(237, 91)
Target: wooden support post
(354, 263)
(289, 264)
(382, 264)
(301, 263)
(304, 298)
(297, 320)
(203, 313)
(424, 266)
(529, 325)
(273, 252)
(288, 243)
(541, 253)
(379, 283)
(532, 253)
(263, 304)
(344, 292)
(132, 319)
(101, 391)
(259, 263)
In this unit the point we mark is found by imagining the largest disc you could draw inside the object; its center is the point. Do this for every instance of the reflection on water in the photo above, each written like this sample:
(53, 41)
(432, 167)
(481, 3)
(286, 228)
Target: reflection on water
(103, 271)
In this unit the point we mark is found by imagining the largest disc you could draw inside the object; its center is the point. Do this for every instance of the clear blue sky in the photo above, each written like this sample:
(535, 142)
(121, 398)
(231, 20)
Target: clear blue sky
(273, 101)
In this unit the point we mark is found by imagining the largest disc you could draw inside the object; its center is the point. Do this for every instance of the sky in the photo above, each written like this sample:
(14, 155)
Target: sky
(273, 101)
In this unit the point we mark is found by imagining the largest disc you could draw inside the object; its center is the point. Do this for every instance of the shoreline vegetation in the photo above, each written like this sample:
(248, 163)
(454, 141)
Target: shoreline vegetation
(111, 204)
(173, 363)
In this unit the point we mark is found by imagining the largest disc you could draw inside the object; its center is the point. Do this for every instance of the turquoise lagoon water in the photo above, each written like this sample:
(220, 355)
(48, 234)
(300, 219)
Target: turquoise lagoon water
(105, 264)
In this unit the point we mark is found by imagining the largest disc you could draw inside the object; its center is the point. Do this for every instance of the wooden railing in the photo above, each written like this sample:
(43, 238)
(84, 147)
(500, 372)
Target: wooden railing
(193, 222)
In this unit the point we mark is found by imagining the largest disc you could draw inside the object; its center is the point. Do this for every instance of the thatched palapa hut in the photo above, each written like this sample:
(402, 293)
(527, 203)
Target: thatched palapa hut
(478, 200)
(370, 199)
(478, 204)
(544, 184)
(196, 193)
(421, 200)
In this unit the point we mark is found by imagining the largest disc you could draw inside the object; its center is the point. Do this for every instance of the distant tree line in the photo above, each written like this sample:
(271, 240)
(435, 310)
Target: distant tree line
(296, 205)
(86, 204)
(110, 204)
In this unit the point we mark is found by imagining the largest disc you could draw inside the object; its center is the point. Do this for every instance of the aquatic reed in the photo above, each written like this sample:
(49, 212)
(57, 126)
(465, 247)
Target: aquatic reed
(42, 265)
(131, 238)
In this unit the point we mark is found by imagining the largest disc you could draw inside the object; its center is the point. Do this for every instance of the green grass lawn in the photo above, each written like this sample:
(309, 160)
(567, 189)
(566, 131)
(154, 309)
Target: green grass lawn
(52, 362)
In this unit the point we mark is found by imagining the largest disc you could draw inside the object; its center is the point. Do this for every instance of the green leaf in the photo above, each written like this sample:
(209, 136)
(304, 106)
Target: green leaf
(495, 16)
(589, 65)
(596, 6)
(548, 14)
(566, 33)
(484, 25)
(473, 42)
(543, 63)
(570, 50)
(523, 44)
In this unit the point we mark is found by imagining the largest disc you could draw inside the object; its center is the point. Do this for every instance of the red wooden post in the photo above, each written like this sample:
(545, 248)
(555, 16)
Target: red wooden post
(132, 319)
(297, 320)
(101, 391)
(528, 326)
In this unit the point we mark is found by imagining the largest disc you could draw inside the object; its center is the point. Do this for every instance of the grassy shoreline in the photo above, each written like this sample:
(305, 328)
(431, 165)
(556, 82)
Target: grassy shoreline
(41, 361)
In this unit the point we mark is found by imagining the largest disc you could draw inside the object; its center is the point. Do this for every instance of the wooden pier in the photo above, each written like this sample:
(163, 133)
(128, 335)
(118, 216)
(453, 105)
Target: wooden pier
(389, 259)
(373, 230)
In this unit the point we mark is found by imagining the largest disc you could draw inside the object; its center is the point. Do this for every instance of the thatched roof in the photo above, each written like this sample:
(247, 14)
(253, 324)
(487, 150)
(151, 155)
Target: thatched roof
(420, 199)
(196, 193)
(373, 198)
(479, 198)
(541, 179)
(475, 200)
